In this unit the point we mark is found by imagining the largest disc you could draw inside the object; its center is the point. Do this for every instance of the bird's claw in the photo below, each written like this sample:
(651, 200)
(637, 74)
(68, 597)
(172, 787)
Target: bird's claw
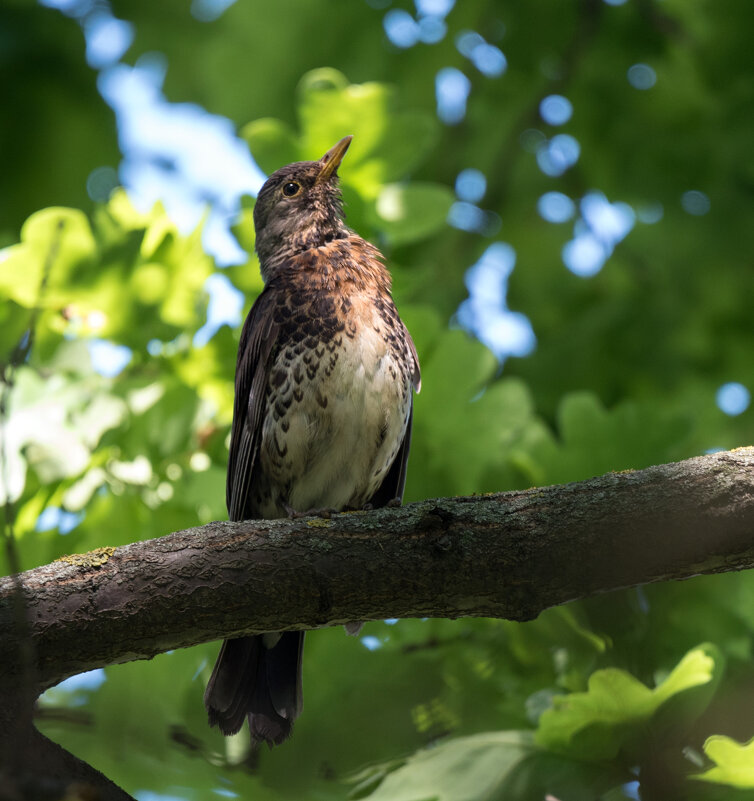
(326, 511)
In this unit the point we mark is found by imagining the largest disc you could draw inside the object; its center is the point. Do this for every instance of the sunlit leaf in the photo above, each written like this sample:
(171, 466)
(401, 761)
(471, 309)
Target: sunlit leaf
(734, 762)
(483, 767)
(616, 707)
(411, 212)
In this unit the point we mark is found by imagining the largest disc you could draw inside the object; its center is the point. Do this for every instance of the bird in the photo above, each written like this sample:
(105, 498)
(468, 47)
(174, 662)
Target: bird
(325, 378)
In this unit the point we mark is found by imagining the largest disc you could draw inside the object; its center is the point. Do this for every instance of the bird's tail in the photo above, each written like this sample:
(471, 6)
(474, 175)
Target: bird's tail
(260, 678)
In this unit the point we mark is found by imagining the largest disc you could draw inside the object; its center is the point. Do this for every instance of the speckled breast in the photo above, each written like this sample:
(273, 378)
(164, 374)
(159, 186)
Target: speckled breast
(337, 404)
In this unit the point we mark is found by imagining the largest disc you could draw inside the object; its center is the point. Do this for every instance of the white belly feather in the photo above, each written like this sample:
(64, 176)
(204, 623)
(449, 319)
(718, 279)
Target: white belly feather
(337, 454)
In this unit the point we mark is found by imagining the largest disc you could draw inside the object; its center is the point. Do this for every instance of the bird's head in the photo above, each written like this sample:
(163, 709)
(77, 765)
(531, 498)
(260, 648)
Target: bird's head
(300, 206)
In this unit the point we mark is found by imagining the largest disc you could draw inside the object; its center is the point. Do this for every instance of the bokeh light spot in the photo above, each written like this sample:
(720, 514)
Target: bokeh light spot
(73, 8)
(609, 222)
(224, 308)
(584, 255)
(101, 182)
(733, 398)
(401, 28)
(471, 185)
(601, 226)
(641, 76)
(437, 8)
(489, 60)
(487, 276)
(108, 359)
(432, 29)
(107, 38)
(555, 109)
(695, 202)
(630, 789)
(555, 207)
(452, 89)
(467, 41)
(485, 314)
(650, 213)
(210, 10)
(55, 517)
(467, 217)
(557, 155)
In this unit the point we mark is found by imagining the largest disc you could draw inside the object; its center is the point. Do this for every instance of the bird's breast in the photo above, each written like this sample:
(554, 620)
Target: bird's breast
(337, 404)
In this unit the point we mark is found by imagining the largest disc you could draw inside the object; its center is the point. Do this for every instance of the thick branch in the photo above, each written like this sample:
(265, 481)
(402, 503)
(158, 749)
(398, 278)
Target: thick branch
(33, 768)
(507, 555)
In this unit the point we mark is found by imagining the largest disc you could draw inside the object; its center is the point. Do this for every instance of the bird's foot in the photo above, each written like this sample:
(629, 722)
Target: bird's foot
(326, 512)
(394, 503)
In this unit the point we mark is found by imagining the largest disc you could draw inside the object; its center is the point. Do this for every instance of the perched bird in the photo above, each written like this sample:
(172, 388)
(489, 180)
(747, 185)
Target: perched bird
(323, 408)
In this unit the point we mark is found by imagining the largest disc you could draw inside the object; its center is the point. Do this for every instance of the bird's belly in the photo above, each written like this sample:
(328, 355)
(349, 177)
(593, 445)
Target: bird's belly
(334, 429)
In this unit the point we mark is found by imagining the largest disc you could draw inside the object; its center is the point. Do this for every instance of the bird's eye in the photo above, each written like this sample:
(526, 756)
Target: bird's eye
(291, 188)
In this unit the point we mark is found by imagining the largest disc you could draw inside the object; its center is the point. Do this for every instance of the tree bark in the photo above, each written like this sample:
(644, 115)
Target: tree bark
(507, 555)
(33, 768)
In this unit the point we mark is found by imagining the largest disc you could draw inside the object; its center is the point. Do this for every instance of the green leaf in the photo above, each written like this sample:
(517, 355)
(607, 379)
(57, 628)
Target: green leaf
(387, 142)
(56, 243)
(598, 723)
(330, 108)
(483, 767)
(734, 762)
(462, 410)
(465, 769)
(272, 143)
(409, 212)
(127, 276)
(595, 440)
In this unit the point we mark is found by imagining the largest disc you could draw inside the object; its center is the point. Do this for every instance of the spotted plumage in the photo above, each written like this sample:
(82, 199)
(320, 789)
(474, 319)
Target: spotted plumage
(322, 418)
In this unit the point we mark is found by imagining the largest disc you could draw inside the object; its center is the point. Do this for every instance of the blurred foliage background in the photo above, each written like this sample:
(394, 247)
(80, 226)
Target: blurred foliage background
(563, 191)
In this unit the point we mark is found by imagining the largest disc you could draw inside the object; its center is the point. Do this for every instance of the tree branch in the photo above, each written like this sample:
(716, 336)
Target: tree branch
(40, 769)
(507, 555)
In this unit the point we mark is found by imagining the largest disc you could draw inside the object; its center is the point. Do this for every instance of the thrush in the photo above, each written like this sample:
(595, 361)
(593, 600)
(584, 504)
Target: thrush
(323, 408)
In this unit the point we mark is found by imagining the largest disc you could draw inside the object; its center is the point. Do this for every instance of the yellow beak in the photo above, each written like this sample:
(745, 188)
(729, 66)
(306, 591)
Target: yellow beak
(331, 160)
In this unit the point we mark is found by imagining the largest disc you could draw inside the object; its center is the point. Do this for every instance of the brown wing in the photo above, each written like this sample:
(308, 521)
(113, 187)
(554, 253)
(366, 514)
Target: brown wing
(395, 481)
(254, 349)
(416, 376)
